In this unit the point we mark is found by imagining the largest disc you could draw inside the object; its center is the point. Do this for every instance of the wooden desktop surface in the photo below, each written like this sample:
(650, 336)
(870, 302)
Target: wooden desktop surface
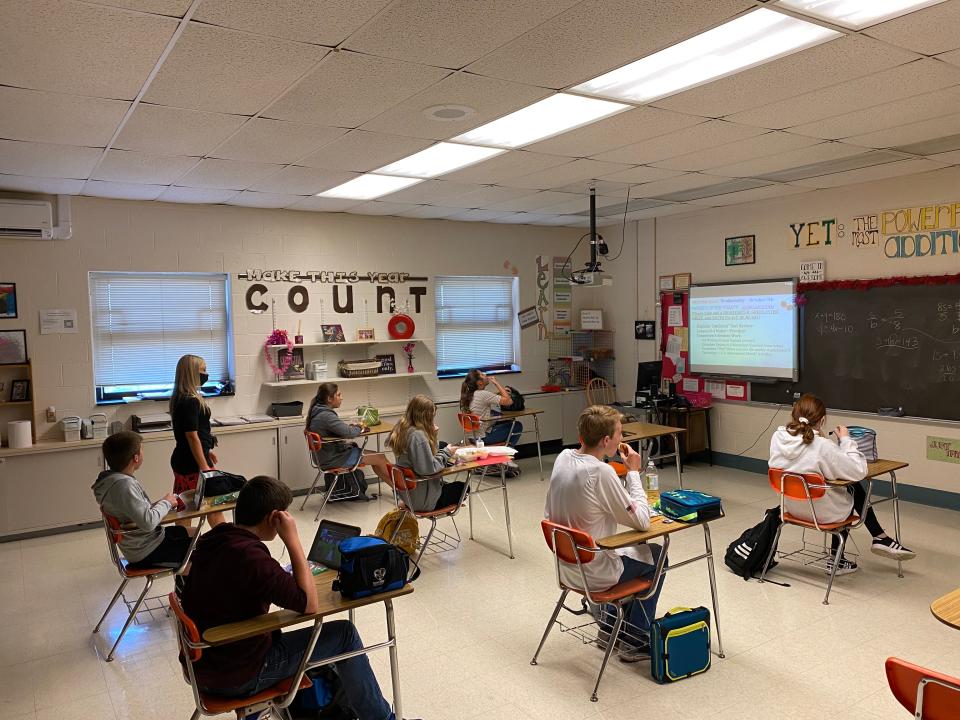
(378, 429)
(331, 602)
(659, 526)
(510, 414)
(946, 609)
(875, 469)
(205, 509)
(645, 431)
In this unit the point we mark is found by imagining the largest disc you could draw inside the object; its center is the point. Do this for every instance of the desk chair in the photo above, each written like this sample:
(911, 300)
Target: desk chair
(276, 697)
(600, 392)
(314, 443)
(927, 694)
(115, 533)
(809, 487)
(576, 547)
(403, 482)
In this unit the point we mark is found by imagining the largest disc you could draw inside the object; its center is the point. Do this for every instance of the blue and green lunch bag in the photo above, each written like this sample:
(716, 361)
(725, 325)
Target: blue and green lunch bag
(690, 505)
(680, 644)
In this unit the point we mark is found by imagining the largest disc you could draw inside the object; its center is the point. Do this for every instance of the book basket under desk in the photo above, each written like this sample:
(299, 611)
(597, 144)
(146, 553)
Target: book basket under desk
(596, 626)
(815, 553)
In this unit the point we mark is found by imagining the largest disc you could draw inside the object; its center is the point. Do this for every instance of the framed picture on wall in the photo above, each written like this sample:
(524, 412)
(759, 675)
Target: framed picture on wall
(740, 250)
(366, 334)
(19, 390)
(332, 333)
(8, 300)
(13, 347)
(681, 281)
(666, 282)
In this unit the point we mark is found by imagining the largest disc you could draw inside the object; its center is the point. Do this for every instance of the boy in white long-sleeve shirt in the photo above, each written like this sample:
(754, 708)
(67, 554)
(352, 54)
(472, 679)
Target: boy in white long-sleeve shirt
(585, 493)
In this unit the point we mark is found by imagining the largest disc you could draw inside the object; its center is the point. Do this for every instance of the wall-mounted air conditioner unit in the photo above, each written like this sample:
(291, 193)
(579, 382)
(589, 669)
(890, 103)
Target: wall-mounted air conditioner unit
(26, 219)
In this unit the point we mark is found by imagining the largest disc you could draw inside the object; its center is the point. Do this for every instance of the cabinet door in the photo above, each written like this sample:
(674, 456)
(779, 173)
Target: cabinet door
(295, 468)
(249, 453)
(48, 490)
(156, 475)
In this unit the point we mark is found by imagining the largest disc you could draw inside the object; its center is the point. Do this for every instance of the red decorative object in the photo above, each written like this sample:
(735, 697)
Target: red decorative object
(878, 282)
(279, 337)
(401, 327)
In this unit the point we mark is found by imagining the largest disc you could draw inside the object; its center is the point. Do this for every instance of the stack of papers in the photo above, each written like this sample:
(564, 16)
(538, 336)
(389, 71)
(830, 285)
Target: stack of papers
(258, 418)
(229, 420)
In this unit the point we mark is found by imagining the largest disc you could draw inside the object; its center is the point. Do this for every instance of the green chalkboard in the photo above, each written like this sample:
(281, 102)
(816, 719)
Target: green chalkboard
(896, 346)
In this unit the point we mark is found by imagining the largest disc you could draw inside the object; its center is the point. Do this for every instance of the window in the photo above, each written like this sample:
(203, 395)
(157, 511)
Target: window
(142, 324)
(477, 324)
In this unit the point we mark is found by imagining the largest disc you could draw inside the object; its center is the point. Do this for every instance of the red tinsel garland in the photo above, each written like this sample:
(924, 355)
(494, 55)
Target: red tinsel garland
(880, 282)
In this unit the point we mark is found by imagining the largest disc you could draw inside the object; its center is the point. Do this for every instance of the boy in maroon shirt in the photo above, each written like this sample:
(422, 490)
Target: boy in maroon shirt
(233, 578)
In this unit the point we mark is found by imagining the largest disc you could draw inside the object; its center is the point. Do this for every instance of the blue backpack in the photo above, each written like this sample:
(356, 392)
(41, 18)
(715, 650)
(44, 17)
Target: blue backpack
(370, 565)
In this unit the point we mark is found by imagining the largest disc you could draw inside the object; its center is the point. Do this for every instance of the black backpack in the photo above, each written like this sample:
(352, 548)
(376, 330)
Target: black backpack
(746, 555)
(344, 484)
(516, 399)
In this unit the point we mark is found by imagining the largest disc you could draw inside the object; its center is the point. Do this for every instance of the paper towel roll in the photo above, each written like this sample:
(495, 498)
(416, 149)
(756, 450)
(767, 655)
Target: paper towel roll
(18, 434)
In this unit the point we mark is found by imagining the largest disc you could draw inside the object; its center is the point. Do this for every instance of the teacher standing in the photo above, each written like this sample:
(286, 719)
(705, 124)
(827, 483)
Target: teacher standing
(193, 452)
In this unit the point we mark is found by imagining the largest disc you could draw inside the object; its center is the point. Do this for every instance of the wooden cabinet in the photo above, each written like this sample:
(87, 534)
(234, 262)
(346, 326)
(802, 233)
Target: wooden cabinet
(696, 421)
(249, 453)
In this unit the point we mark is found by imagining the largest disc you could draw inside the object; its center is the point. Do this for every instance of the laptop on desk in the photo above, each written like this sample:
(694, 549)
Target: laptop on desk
(324, 551)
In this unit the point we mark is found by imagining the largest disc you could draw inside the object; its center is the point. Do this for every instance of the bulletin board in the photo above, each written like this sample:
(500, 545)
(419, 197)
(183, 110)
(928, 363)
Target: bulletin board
(675, 353)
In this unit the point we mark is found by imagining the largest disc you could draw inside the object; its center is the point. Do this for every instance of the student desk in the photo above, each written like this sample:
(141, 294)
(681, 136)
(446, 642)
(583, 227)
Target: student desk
(875, 469)
(514, 415)
(205, 509)
(946, 609)
(372, 431)
(661, 527)
(639, 432)
(330, 603)
(468, 467)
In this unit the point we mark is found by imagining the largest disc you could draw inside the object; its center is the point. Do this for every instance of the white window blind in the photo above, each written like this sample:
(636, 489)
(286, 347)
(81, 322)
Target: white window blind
(144, 322)
(476, 324)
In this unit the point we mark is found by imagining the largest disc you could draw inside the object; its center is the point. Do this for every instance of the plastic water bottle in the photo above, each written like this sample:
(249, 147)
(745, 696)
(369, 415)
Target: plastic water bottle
(479, 443)
(653, 482)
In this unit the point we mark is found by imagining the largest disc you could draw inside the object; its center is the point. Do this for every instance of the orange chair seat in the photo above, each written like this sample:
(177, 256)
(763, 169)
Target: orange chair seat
(794, 520)
(142, 572)
(438, 512)
(216, 704)
(618, 467)
(341, 470)
(617, 592)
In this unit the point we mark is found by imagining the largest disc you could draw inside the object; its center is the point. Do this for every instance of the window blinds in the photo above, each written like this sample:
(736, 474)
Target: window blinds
(144, 322)
(476, 324)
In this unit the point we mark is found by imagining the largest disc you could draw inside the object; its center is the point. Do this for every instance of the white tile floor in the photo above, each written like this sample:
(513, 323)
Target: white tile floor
(467, 634)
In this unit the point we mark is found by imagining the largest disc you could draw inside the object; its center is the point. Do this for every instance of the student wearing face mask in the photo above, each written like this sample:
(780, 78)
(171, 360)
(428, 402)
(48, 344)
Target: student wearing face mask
(193, 452)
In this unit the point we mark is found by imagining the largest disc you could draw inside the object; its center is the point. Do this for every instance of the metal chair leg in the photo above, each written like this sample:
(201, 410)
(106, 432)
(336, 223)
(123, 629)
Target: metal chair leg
(470, 507)
(553, 619)
(614, 636)
(773, 551)
(133, 614)
(113, 602)
(506, 510)
(326, 496)
(426, 541)
(312, 488)
(833, 569)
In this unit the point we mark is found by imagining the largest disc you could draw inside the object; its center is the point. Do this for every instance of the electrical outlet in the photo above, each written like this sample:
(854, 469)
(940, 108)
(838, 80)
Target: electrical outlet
(51, 414)
(796, 396)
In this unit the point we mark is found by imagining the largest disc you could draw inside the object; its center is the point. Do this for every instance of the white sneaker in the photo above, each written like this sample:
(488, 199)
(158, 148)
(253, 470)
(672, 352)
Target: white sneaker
(889, 548)
(844, 568)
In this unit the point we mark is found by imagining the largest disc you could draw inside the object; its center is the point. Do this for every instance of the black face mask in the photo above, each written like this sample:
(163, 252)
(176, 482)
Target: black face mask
(203, 379)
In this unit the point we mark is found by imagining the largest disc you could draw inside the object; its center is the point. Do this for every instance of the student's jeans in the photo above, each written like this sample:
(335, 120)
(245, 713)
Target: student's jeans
(499, 433)
(336, 637)
(869, 518)
(639, 613)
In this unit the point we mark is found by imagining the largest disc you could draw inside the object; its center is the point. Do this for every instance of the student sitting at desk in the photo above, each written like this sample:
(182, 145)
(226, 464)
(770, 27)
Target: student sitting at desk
(414, 441)
(120, 495)
(322, 418)
(234, 578)
(800, 447)
(585, 493)
(477, 400)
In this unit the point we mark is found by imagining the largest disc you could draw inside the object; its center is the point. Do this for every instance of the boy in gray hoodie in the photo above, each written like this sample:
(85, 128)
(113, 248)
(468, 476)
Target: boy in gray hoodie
(119, 494)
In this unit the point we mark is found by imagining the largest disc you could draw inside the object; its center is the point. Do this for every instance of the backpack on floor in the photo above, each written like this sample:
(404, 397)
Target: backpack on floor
(400, 527)
(344, 484)
(680, 644)
(325, 698)
(746, 555)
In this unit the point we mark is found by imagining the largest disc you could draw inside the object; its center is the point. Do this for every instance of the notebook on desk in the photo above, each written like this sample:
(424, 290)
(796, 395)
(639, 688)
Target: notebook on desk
(325, 551)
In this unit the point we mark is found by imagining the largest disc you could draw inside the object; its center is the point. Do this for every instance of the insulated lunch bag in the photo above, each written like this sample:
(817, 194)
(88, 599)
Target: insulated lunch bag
(690, 505)
(370, 565)
(680, 644)
(368, 415)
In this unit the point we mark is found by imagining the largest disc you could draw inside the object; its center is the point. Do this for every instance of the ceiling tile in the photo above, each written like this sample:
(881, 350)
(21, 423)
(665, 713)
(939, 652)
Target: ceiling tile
(951, 57)
(196, 195)
(641, 174)
(572, 205)
(518, 218)
(947, 158)
(622, 129)
(596, 36)
(868, 174)
(171, 131)
(263, 200)
(227, 71)
(831, 62)
(533, 201)
(791, 159)
(570, 220)
(134, 167)
(450, 34)
(322, 23)
(571, 172)
(929, 31)
(606, 187)
(122, 191)
(504, 167)
(321, 204)
(910, 133)
(429, 211)
(347, 89)
(687, 181)
(431, 192)
(381, 207)
(79, 47)
(275, 141)
(743, 196)
(227, 174)
(296, 180)
(662, 211)
(483, 197)
(172, 8)
(61, 119)
(698, 137)
(363, 151)
(477, 215)
(52, 186)
(859, 94)
(760, 146)
(891, 114)
(44, 160)
(489, 97)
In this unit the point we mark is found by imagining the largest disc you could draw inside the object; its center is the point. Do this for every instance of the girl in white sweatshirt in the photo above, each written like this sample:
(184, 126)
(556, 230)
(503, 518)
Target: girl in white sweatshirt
(800, 447)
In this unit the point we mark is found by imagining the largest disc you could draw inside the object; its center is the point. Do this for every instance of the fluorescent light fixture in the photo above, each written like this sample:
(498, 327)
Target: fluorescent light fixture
(856, 14)
(546, 118)
(744, 42)
(441, 158)
(369, 186)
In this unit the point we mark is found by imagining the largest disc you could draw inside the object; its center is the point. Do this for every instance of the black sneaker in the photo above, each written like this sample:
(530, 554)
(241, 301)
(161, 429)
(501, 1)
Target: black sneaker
(889, 548)
(844, 568)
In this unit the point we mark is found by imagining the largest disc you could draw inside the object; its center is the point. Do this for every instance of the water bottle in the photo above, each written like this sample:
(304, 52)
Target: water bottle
(479, 443)
(653, 482)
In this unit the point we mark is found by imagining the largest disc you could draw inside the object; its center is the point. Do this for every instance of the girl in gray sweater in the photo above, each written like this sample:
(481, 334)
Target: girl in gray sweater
(414, 441)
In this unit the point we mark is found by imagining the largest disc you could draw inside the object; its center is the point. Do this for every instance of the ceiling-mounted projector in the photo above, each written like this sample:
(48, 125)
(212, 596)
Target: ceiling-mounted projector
(587, 278)
(593, 275)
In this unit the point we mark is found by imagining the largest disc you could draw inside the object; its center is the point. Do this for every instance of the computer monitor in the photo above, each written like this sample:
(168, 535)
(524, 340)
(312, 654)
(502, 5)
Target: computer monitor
(648, 375)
